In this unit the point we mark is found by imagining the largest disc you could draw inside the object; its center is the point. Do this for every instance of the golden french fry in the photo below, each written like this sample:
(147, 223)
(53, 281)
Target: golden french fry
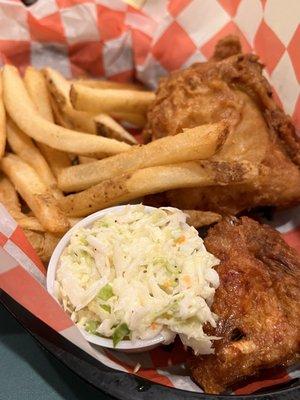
(23, 146)
(138, 120)
(58, 160)
(36, 194)
(197, 219)
(28, 222)
(106, 126)
(2, 121)
(193, 144)
(100, 84)
(109, 100)
(151, 180)
(80, 120)
(72, 119)
(9, 196)
(37, 89)
(58, 86)
(21, 109)
(86, 160)
(59, 117)
(44, 243)
(60, 89)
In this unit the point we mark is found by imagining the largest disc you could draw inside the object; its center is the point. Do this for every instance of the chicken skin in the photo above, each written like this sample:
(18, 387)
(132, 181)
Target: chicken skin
(258, 304)
(231, 89)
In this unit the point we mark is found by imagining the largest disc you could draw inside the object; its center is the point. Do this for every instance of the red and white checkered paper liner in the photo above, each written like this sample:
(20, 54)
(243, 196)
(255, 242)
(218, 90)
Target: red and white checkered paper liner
(110, 38)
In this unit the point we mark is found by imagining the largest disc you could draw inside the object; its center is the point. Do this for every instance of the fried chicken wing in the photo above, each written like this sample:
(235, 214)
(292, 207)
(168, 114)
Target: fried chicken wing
(257, 303)
(231, 89)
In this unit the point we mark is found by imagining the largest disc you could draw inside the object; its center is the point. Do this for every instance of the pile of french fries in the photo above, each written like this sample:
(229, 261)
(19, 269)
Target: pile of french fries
(64, 153)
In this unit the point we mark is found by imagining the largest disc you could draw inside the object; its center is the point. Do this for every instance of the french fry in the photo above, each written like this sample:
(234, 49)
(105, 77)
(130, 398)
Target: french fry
(9, 196)
(44, 243)
(72, 119)
(193, 144)
(100, 84)
(36, 194)
(109, 100)
(60, 89)
(37, 89)
(28, 222)
(63, 111)
(80, 120)
(21, 109)
(2, 121)
(32, 223)
(58, 160)
(58, 86)
(59, 117)
(86, 160)
(138, 120)
(106, 126)
(23, 146)
(151, 180)
(197, 219)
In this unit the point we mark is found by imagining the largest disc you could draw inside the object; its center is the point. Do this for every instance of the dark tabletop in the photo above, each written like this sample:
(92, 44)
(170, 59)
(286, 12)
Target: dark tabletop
(27, 372)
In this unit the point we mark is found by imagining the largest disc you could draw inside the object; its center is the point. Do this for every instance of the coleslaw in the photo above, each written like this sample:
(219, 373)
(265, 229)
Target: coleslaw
(137, 273)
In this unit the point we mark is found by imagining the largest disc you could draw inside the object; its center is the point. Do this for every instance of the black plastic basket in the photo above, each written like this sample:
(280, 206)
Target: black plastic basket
(122, 385)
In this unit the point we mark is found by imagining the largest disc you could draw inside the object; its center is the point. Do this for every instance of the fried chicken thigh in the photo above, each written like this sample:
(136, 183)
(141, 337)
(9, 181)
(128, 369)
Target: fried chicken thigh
(257, 303)
(231, 89)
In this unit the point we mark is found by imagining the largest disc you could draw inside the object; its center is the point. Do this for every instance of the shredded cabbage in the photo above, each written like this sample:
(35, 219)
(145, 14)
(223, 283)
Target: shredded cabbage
(136, 273)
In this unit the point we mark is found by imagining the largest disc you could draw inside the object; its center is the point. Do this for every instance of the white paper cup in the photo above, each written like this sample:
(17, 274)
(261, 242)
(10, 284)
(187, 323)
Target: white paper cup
(125, 345)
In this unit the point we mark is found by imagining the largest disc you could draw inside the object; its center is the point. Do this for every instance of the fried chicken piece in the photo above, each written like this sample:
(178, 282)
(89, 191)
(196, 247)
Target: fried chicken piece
(257, 303)
(227, 47)
(235, 90)
(199, 219)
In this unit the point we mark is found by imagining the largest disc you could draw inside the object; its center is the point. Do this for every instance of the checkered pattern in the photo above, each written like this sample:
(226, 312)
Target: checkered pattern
(189, 29)
(113, 39)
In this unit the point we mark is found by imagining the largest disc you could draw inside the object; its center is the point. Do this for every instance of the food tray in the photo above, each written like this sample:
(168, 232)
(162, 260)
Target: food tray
(116, 40)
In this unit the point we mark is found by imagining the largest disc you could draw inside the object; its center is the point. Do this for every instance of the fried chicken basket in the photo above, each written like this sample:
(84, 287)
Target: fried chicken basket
(123, 41)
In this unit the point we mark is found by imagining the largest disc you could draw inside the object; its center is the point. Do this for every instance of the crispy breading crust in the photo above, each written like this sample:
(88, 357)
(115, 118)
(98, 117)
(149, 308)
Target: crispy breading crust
(233, 89)
(244, 71)
(257, 303)
(227, 47)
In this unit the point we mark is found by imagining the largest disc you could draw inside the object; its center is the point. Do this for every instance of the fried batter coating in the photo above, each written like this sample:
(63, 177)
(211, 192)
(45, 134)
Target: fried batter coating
(234, 90)
(257, 303)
